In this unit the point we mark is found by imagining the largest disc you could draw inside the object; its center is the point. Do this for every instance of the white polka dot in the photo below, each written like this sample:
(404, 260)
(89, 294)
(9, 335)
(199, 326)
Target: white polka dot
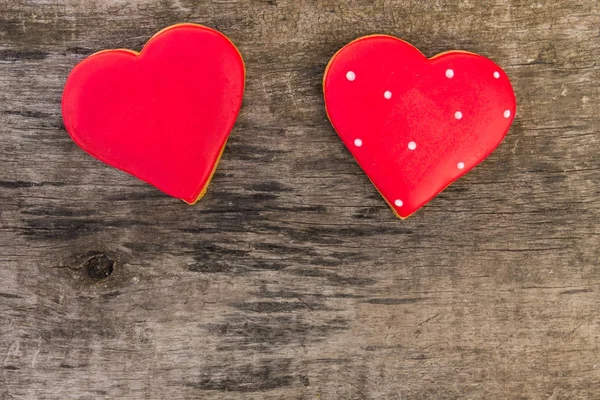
(507, 114)
(358, 142)
(497, 75)
(412, 146)
(399, 203)
(460, 165)
(449, 74)
(351, 76)
(387, 95)
(458, 115)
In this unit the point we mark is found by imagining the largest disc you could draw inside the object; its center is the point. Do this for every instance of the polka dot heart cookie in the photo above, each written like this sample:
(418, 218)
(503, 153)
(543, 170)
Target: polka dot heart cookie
(162, 115)
(415, 125)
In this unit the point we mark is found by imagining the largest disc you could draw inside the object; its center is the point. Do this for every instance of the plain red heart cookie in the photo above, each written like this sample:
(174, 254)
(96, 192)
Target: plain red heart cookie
(415, 125)
(162, 115)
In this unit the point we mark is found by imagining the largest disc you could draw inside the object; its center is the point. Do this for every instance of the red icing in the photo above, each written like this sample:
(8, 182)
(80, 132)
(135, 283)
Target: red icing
(425, 98)
(162, 115)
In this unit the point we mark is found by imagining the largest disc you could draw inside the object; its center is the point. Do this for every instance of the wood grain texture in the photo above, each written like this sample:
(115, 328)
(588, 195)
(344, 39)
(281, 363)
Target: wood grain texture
(292, 279)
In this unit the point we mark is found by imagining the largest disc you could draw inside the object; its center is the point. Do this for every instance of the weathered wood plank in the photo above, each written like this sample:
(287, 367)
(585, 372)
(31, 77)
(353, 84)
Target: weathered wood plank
(292, 278)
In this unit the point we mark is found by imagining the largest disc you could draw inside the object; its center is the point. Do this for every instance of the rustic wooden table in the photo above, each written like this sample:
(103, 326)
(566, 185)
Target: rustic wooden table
(292, 279)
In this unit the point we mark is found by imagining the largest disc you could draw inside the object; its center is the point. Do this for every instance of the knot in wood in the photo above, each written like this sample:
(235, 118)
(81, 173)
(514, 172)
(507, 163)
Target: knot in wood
(99, 266)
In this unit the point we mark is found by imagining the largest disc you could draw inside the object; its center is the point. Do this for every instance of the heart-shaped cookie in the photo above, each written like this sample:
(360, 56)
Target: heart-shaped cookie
(162, 115)
(415, 125)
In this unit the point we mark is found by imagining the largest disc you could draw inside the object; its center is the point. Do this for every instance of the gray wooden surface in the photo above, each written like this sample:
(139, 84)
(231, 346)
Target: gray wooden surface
(292, 279)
